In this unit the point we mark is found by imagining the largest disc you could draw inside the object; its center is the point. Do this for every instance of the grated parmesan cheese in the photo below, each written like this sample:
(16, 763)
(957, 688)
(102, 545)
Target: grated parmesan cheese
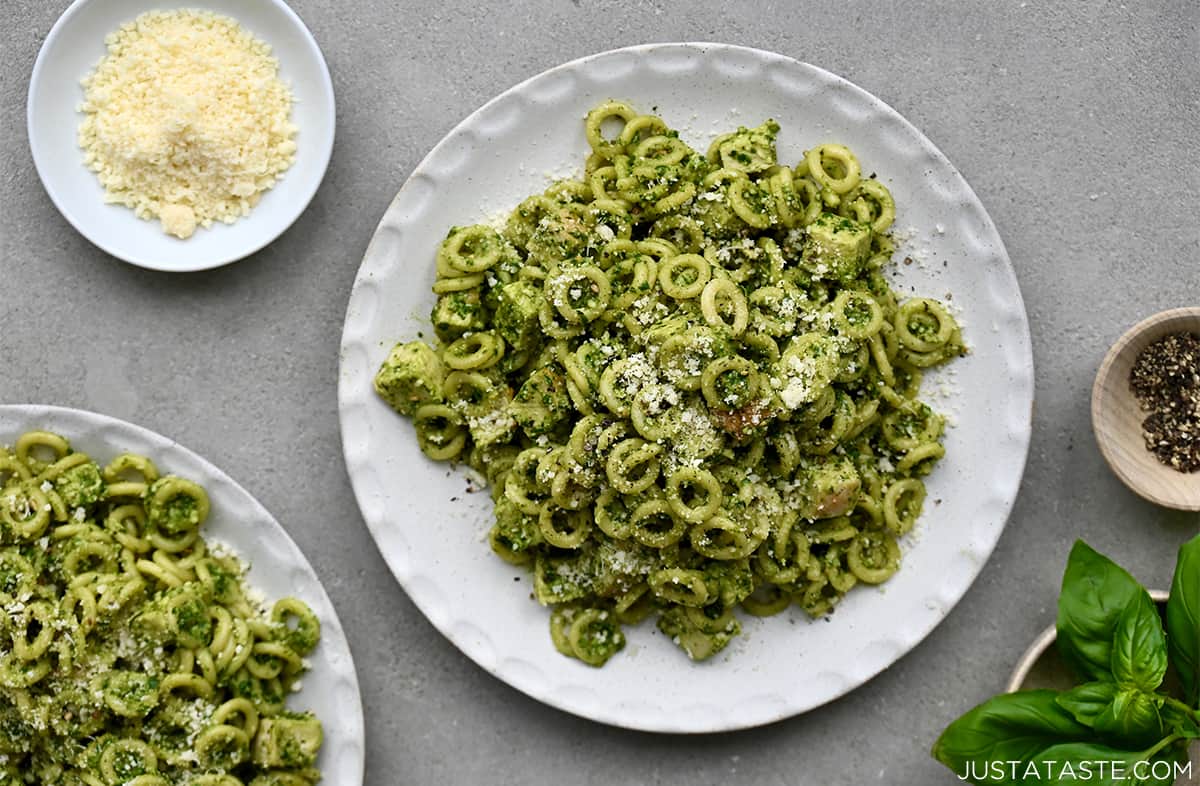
(186, 120)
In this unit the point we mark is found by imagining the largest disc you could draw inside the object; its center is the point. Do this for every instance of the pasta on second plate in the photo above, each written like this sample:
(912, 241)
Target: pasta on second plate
(138, 657)
(687, 381)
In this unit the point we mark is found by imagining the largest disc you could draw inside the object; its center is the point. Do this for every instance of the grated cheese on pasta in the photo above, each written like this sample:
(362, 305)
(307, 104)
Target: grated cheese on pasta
(186, 119)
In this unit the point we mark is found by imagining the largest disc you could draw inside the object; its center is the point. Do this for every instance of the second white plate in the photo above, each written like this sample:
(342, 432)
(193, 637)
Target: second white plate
(71, 50)
(277, 566)
(433, 534)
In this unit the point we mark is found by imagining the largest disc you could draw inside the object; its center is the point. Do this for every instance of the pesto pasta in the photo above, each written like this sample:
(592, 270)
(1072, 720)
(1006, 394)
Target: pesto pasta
(688, 382)
(132, 653)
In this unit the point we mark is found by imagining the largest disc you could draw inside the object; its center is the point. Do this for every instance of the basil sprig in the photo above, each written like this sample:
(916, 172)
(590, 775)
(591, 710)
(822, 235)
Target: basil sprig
(1111, 634)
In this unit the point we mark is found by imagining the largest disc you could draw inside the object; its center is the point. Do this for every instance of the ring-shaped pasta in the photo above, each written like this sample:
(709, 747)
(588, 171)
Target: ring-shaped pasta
(879, 358)
(873, 557)
(857, 315)
(150, 779)
(522, 487)
(25, 510)
(729, 382)
(902, 504)
(711, 619)
(175, 505)
(583, 443)
(32, 441)
(12, 471)
(57, 468)
(766, 600)
(911, 424)
(633, 464)
(619, 385)
(821, 439)
(751, 203)
(122, 758)
(760, 348)
(661, 150)
(773, 311)
(920, 460)
(853, 363)
(595, 636)
(39, 615)
(618, 250)
(191, 683)
(477, 351)
(214, 779)
(609, 110)
(641, 127)
(445, 286)
(872, 204)
(472, 249)
(923, 325)
(548, 318)
(569, 491)
(563, 528)
(684, 232)
(782, 452)
(602, 180)
(440, 431)
(655, 524)
(677, 199)
(579, 294)
(680, 585)
(724, 295)
(222, 746)
(721, 538)
(834, 168)
(679, 358)
(301, 627)
(570, 191)
(613, 514)
(698, 482)
(683, 277)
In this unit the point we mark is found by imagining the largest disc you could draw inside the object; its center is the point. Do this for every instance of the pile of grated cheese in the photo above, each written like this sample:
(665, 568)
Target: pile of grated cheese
(186, 119)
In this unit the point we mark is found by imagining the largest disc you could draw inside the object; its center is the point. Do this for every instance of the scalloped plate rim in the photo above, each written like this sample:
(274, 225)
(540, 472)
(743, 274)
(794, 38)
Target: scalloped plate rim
(1022, 387)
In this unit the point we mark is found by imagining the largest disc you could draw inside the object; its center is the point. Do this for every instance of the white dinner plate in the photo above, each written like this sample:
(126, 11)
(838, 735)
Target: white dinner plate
(433, 535)
(277, 566)
(74, 47)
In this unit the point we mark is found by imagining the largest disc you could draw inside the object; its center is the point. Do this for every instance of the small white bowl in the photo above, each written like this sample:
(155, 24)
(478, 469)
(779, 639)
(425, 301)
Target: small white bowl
(74, 47)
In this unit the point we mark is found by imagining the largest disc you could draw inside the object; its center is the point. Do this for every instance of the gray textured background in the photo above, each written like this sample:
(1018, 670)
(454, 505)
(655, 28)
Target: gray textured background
(1076, 123)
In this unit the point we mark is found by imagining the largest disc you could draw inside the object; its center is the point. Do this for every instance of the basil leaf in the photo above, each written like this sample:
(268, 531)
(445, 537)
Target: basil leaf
(1139, 650)
(1132, 719)
(1095, 591)
(1100, 765)
(1012, 727)
(1183, 620)
(1086, 702)
(1180, 722)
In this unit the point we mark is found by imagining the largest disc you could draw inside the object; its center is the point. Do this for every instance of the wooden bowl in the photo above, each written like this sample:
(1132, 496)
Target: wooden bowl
(1117, 416)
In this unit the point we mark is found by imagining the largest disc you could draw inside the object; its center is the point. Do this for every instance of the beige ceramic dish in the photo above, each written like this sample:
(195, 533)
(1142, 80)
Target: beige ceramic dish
(1042, 667)
(1117, 416)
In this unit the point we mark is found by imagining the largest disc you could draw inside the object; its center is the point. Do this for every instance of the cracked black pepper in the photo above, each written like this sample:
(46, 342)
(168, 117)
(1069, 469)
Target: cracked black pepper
(1166, 380)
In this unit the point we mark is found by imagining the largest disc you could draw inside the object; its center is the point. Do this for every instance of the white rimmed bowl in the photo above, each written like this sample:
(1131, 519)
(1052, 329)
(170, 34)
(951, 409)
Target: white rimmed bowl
(73, 48)
(433, 536)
